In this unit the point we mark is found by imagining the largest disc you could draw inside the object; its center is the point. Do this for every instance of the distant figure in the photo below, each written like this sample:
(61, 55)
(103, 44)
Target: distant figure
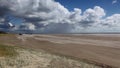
(20, 34)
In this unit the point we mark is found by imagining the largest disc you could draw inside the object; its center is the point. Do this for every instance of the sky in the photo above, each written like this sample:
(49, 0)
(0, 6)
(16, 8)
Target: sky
(60, 16)
(110, 6)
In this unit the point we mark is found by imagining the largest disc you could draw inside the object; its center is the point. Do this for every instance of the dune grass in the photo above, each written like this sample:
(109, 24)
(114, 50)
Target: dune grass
(7, 51)
(29, 58)
(2, 35)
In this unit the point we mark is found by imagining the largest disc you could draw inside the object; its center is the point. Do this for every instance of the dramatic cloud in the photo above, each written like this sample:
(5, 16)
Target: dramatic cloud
(27, 26)
(91, 16)
(49, 16)
(113, 20)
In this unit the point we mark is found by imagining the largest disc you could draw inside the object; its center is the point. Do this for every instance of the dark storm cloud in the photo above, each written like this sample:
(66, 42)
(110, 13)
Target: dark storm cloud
(3, 10)
(3, 26)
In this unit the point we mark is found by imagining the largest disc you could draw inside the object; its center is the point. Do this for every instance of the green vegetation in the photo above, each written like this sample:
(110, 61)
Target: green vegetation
(2, 34)
(29, 58)
(7, 51)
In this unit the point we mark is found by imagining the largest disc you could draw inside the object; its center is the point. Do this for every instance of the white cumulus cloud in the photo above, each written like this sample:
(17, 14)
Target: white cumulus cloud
(49, 16)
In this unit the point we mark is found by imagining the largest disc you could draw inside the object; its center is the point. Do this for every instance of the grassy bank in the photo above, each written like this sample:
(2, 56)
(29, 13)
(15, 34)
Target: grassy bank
(7, 51)
(17, 57)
